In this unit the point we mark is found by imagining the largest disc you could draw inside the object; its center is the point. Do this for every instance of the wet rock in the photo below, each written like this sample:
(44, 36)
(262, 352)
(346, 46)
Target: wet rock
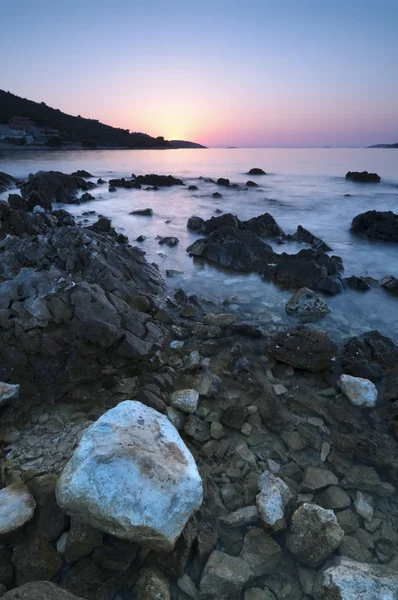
(363, 177)
(360, 392)
(141, 238)
(272, 501)
(348, 579)
(17, 506)
(18, 203)
(223, 181)
(185, 400)
(316, 479)
(242, 517)
(306, 349)
(6, 182)
(81, 173)
(86, 197)
(314, 534)
(379, 225)
(247, 329)
(216, 195)
(261, 552)
(369, 355)
(192, 188)
(112, 188)
(359, 283)
(196, 223)
(224, 575)
(305, 302)
(219, 320)
(256, 171)
(35, 560)
(161, 467)
(251, 184)
(303, 235)
(81, 540)
(40, 590)
(390, 283)
(158, 180)
(143, 212)
(8, 392)
(54, 186)
(169, 241)
(334, 497)
(152, 584)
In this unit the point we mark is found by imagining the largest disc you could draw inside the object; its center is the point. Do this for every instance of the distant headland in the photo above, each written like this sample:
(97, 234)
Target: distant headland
(28, 124)
(384, 146)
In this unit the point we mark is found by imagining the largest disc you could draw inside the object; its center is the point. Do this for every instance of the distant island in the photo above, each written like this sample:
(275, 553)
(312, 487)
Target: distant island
(34, 124)
(384, 146)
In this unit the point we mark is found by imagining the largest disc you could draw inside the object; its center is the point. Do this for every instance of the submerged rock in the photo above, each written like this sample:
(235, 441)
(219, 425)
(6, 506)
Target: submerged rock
(224, 575)
(348, 579)
(363, 177)
(169, 241)
(360, 392)
(314, 534)
(306, 349)
(17, 506)
(272, 500)
(305, 302)
(256, 171)
(133, 477)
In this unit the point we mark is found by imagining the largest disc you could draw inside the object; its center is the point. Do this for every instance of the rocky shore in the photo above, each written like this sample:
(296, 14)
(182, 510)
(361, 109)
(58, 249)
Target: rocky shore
(156, 446)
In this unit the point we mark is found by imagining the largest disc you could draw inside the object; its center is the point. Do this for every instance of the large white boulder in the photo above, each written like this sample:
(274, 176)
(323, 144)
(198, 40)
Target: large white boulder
(360, 392)
(133, 477)
(17, 506)
(349, 579)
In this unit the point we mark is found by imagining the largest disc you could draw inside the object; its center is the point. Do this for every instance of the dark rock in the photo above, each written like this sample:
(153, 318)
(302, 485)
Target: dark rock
(37, 199)
(332, 284)
(86, 197)
(40, 590)
(222, 181)
(247, 329)
(251, 184)
(256, 171)
(103, 225)
(358, 283)
(363, 177)
(18, 203)
(377, 224)
(54, 186)
(141, 238)
(6, 182)
(169, 241)
(124, 183)
(390, 283)
(6, 568)
(152, 400)
(369, 356)
(81, 173)
(196, 223)
(35, 560)
(216, 195)
(234, 416)
(303, 235)
(158, 180)
(144, 212)
(100, 181)
(153, 188)
(49, 521)
(85, 579)
(261, 552)
(305, 349)
(82, 540)
(192, 188)
(112, 188)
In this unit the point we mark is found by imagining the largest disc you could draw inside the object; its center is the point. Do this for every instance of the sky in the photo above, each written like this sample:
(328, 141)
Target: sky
(247, 73)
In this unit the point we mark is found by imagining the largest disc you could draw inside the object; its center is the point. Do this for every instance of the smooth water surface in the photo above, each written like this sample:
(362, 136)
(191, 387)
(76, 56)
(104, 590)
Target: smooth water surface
(302, 186)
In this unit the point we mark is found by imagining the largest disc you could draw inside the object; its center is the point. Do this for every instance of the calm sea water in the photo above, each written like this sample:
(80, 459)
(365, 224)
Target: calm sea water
(303, 186)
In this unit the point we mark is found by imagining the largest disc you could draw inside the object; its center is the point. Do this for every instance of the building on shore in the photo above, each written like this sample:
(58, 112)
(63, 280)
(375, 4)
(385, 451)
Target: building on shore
(22, 130)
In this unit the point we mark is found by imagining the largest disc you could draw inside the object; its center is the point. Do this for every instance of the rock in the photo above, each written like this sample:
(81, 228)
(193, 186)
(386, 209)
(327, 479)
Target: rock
(363, 177)
(224, 575)
(251, 183)
(362, 477)
(81, 540)
(186, 585)
(217, 431)
(349, 579)
(17, 506)
(314, 534)
(207, 332)
(158, 180)
(256, 171)
(359, 283)
(185, 400)
(143, 212)
(347, 520)
(81, 173)
(334, 497)
(369, 355)
(192, 188)
(380, 225)
(112, 188)
(390, 283)
(18, 203)
(169, 241)
(261, 552)
(259, 594)
(54, 186)
(316, 479)
(363, 508)
(360, 392)
(151, 460)
(40, 590)
(196, 223)
(207, 384)
(6, 182)
(151, 585)
(305, 302)
(220, 320)
(216, 195)
(248, 515)
(223, 181)
(8, 392)
(86, 197)
(247, 329)
(303, 235)
(234, 416)
(49, 521)
(305, 349)
(272, 501)
(35, 560)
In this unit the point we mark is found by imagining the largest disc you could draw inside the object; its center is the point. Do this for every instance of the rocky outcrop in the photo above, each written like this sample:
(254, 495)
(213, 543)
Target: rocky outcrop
(54, 186)
(158, 180)
(40, 590)
(81, 173)
(363, 177)
(6, 182)
(305, 303)
(348, 579)
(378, 225)
(306, 349)
(303, 235)
(133, 477)
(390, 283)
(256, 171)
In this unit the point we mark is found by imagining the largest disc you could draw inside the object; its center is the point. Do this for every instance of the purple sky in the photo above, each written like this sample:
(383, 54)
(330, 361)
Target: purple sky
(223, 73)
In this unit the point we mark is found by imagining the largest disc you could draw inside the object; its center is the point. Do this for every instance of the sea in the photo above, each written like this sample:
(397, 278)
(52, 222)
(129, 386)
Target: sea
(302, 187)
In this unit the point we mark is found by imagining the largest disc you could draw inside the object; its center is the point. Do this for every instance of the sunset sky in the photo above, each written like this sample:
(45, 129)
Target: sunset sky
(221, 72)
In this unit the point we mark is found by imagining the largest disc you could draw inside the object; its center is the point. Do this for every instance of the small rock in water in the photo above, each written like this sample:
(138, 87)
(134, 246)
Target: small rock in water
(305, 302)
(141, 238)
(272, 500)
(176, 345)
(17, 506)
(173, 273)
(207, 384)
(363, 508)
(360, 392)
(142, 212)
(8, 392)
(169, 241)
(185, 400)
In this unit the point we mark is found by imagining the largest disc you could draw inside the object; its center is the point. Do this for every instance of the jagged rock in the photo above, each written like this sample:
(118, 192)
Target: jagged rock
(8, 392)
(314, 534)
(362, 477)
(363, 177)
(360, 283)
(40, 590)
(334, 497)
(143, 212)
(369, 355)
(151, 460)
(35, 560)
(6, 182)
(54, 186)
(158, 180)
(207, 384)
(306, 349)
(17, 506)
(256, 171)
(305, 302)
(81, 540)
(261, 552)
(272, 501)
(81, 173)
(316, 479)
(196, 223)
(360, 392)
(224, 575)
(390, 283)
(380, 225)
(152, 584)
(185, 400)
(348, 579)
(303, 235)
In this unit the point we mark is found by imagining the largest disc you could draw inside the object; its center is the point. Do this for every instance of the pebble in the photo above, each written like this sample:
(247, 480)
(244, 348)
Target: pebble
(246, 429)
(177, 345)
(280, 389)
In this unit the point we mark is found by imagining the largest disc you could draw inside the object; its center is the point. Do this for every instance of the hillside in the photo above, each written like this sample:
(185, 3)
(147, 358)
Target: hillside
(385, 146)
(88, 132)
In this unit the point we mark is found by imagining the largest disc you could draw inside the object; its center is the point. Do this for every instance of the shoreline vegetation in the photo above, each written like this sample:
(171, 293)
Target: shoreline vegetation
(157, 443)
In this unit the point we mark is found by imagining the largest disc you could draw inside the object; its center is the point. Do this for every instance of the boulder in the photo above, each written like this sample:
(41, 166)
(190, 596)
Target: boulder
(169, 241)
(223, 181)
(17, 506)
(303, 235)
(363, 177)
(8, 392)
(272, 501)
(6, 182)
(81, 173)
(314, 534)
(54, 186)
(379, 225)
(185, 400)
(256, 171)
(317, 479)
(360, 283)
(151, 584)
(40, 590)
(224, 575)
(157, 487)
(390, 283)
(143, 212)
(360, 392)
(305, 302)
(348, 579)
(251, 183)
(192, 188)
(261, 552)
(158, 180)
(305, 349)
(196, 223)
